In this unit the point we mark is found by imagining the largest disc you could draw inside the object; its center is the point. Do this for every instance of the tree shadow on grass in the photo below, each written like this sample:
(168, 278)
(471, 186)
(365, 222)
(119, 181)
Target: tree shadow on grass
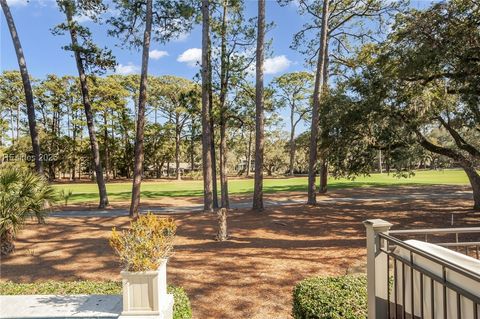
(268, 189)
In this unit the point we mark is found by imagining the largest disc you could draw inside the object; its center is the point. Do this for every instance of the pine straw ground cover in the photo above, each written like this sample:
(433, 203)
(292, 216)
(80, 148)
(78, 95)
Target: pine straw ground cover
(250, 276)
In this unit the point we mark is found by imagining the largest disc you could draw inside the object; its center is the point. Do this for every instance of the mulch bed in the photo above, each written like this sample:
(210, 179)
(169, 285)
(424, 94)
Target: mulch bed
(252, 274)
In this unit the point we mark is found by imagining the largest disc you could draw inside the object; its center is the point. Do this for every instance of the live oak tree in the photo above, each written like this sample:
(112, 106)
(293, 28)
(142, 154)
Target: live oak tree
(88, 57)
(439, 82)
(27, 87)
(356, 129)
(160, 20)
(276, 158)
(293, 91)
(424, 76)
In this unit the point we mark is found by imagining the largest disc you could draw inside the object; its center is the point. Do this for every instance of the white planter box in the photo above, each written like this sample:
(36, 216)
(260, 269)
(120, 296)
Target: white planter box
(145, 293)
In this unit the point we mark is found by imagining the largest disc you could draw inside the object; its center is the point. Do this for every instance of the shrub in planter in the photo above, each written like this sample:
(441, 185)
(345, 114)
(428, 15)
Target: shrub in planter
(23, 194)
(145, 245)
(343, 297)
(143, 250)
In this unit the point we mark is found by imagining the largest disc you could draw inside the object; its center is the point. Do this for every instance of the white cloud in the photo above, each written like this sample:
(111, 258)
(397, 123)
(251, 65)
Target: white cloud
(192, 57)
(130, 68)
(276, 64)
(82, 18)
(157, 54)
(13, 3)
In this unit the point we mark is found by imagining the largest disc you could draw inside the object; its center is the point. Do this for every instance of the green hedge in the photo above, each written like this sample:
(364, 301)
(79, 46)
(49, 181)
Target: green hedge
(181, 307)
(343, 297)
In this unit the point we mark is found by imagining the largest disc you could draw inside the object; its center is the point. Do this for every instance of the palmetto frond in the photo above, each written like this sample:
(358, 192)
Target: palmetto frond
(22, 194)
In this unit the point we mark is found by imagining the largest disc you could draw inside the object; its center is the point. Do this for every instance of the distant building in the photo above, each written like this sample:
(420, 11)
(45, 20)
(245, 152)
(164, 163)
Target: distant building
(241, 167)
(185, 168)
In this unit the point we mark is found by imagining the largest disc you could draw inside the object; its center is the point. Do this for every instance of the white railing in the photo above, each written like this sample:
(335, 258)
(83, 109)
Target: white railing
(413, 279)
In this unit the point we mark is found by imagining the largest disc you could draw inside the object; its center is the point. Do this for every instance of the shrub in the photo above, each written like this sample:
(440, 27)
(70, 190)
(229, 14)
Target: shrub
(23, 193)
(343, 297)
(65, 195)
(143, 246)
(181, 307)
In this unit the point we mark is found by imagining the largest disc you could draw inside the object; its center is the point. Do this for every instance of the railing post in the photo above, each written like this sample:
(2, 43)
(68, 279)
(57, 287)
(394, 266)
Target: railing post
(377, 283)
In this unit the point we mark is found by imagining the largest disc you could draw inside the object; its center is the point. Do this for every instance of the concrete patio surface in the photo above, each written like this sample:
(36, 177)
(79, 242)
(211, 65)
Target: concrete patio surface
(56, 306)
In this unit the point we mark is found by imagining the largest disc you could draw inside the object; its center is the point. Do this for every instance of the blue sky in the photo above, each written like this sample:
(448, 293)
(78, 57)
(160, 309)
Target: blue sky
(44, 55)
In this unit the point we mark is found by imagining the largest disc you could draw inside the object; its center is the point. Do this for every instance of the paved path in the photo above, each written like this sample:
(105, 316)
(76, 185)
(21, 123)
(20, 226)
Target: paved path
(267, 203)
(54, 306)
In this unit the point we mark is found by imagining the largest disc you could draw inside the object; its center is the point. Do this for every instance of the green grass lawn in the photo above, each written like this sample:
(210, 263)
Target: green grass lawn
(83, 192)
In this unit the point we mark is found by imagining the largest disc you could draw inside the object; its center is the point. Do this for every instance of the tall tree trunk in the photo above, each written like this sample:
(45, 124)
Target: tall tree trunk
(178, 175)
(126, 156)
(139, 151)
(26, 86)
(212, 132)
(323, 177)
(53, 148)
(12, 126)
(206, 122)
(102, 190)
(74, 147)
(223, 110)
(213, 155)
(322, 189)
(112, 163)
(292, 140)
(380, 167)
(319, 82)
(387, 164)
(107, 150)
(474, 179)
(192, 148)
(223, 167)
(259, 112)
(249, 152)
(69, 112)
(222, 233)
(80, 159)
(17, 124)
